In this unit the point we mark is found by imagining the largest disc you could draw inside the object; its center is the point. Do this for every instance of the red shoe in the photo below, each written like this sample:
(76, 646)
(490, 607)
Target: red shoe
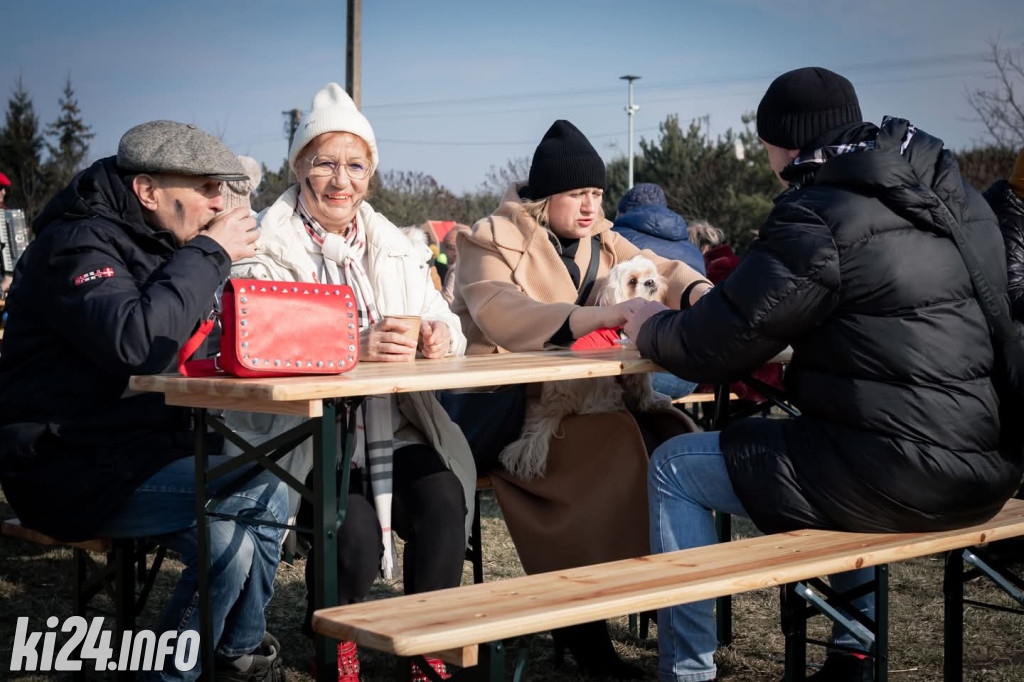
(417, 675)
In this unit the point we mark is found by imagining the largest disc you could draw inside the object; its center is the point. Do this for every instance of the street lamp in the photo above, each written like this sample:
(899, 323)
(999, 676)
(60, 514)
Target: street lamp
(630, 110)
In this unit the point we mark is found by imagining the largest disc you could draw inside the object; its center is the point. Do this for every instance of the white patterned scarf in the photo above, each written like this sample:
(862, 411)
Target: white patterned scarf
(374, 446)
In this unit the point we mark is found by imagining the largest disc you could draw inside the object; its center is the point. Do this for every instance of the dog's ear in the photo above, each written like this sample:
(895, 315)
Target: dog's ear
(607, 293)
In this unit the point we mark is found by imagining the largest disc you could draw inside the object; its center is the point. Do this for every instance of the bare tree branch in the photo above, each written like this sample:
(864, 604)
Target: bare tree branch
(1001, 108)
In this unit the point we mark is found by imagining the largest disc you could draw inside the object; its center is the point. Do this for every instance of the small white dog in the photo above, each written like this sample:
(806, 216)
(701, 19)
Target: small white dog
(526, 457)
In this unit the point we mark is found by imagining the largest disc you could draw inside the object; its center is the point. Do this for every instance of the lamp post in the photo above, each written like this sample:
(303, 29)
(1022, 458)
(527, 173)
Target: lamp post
(630, 110)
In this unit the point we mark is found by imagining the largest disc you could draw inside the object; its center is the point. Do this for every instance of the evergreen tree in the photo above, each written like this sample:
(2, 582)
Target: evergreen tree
(72, 140)
(272, 186)
(726, 181)
(20, 147)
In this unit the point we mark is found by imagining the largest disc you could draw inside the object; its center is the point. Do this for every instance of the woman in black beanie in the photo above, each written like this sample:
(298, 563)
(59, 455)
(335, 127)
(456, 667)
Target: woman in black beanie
(523, 285)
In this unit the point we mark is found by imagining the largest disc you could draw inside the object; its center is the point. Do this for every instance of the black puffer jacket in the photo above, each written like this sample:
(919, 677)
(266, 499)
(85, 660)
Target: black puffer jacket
(1009, 210)
(891, 353)
(97, 297)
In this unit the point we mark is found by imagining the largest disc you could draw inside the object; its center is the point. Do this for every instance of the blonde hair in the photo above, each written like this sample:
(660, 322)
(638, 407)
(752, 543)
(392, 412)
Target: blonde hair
(704, 235)
(538, 210)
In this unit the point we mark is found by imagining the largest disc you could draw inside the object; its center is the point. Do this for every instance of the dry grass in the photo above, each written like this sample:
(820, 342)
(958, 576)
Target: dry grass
(36, 582)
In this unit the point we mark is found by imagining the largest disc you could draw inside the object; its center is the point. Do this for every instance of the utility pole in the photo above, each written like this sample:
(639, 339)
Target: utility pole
(630, 110)
(353, 52)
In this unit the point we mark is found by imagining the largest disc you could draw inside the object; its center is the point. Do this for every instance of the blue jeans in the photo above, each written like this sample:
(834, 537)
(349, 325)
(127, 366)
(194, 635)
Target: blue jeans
(671, 385)
(243, 557)
(687, 480)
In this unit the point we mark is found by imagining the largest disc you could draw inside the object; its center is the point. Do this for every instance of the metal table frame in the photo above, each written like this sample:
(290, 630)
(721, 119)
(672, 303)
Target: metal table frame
(328, 510)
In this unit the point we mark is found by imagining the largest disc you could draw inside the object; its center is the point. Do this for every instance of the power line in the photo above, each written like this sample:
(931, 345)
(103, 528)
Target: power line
(689, 84)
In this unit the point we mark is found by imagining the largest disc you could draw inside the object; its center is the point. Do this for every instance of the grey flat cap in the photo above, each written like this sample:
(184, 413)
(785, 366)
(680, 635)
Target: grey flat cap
(178, 149)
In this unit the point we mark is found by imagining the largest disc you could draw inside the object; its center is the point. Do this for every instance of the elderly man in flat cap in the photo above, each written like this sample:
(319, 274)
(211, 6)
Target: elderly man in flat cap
(126, 263)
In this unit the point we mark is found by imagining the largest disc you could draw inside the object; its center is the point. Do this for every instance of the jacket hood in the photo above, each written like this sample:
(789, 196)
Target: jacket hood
(99, 191)
(656, 221)
(906, 168)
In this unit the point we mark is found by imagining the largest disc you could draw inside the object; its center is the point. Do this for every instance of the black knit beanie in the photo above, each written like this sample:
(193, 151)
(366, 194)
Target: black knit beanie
(564, 160)
(803, 104)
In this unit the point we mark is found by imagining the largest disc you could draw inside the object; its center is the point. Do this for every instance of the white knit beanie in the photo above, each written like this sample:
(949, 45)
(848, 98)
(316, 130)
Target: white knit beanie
(332, 111)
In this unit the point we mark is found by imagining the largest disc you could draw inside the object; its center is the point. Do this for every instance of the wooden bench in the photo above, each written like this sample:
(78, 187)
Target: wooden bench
(452, 623)
(126, 563)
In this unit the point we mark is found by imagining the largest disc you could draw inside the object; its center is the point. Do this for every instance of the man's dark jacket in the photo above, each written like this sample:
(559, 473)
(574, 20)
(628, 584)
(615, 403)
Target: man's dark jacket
(662, 231)
(1009, 210)
(891, 352)
(98, 296)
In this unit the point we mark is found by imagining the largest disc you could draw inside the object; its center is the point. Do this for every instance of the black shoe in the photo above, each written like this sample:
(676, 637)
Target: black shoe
(591, 648)
(844, 668)
(264, 665)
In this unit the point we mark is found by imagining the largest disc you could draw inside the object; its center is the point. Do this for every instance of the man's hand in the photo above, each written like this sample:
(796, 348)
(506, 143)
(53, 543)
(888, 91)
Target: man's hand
(235, 231)
(435, 339)
(384, 342)
(640, 310)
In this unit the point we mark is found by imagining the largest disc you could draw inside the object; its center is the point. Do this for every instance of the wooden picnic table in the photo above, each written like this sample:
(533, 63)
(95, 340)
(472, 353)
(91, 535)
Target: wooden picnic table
(318, 398)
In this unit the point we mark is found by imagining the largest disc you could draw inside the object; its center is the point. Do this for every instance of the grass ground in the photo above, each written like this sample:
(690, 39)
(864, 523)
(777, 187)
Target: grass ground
(36, 582)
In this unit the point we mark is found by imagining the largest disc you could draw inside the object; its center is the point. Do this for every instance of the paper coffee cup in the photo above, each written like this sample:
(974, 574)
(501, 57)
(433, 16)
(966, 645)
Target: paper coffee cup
(413, 321)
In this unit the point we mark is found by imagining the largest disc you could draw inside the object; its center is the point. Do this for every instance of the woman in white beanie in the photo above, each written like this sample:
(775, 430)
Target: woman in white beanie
(419, 476)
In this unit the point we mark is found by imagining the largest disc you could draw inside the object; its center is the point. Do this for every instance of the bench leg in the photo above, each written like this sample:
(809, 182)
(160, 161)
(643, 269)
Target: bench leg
(953, 617)
(79, 596)
(723, 605)
(874, 635)
(881, 630)
(474, 552)
(794, 626)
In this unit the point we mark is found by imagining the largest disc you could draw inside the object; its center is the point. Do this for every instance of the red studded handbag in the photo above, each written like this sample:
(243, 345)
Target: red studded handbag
(279, 329)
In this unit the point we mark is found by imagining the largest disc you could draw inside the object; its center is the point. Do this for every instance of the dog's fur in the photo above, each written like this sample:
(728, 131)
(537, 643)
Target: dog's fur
(526, 457)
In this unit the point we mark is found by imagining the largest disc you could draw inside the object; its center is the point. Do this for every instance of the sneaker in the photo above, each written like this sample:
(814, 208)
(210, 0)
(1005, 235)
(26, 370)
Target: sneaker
(263, 665)
(845, 668)
(417, 675)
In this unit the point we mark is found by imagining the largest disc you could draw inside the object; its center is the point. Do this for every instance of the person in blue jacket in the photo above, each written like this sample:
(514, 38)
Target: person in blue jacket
(646, 221)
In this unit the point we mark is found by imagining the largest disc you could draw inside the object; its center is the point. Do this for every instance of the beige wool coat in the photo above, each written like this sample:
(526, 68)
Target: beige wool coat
(513, 293)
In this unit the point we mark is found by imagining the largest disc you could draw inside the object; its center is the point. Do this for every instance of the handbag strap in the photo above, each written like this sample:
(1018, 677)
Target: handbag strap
(998, 316)
(198, 368)
(588, 280)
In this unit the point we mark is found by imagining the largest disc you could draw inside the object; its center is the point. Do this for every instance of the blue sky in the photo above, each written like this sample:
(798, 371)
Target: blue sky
(453, 88)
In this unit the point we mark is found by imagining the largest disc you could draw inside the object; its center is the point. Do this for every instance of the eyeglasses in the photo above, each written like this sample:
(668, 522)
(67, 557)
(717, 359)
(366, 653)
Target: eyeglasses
(328, 166)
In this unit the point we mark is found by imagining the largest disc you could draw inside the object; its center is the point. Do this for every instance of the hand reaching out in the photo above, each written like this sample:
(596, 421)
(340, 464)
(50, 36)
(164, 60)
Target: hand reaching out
(639, 310)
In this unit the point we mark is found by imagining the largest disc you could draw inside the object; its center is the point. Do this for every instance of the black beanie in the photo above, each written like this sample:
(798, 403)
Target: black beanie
(564, 160)
(801, 105)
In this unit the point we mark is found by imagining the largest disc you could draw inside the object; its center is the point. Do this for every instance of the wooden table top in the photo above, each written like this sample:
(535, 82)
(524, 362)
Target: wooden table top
(302, 395)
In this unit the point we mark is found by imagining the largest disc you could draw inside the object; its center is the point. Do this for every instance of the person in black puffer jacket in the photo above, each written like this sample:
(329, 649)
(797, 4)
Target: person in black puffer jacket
(899, 428)
(126, 262)
(1006, 197)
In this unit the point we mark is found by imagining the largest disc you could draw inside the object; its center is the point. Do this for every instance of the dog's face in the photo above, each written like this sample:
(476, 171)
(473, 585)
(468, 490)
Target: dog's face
(634, 278)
